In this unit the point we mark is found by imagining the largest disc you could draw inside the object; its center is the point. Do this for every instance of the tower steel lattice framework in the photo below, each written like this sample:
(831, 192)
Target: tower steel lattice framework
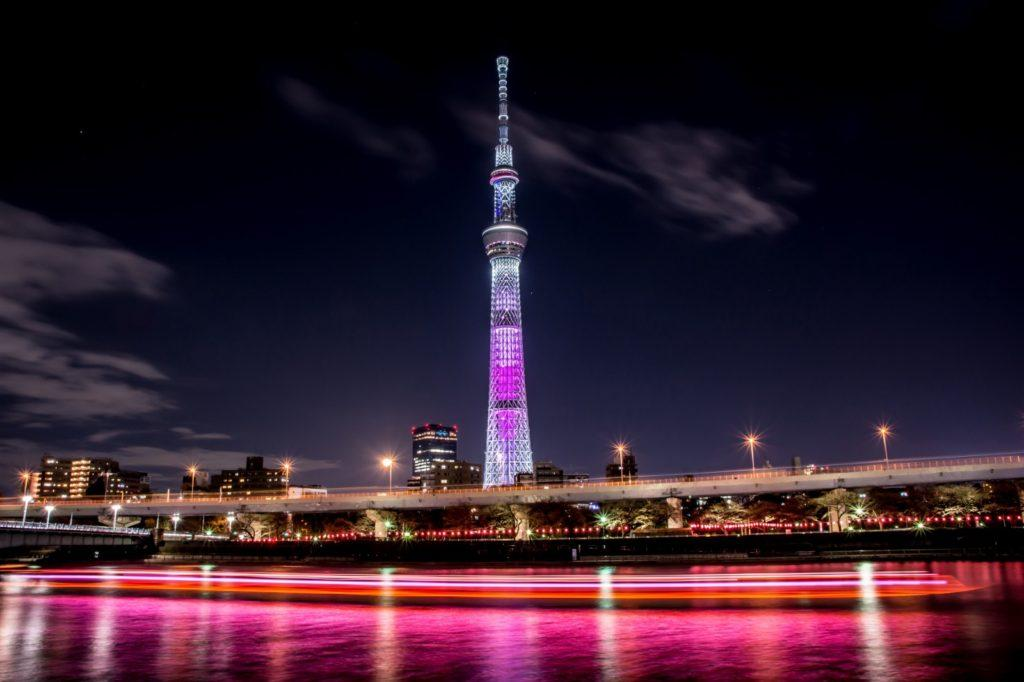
(508, 450)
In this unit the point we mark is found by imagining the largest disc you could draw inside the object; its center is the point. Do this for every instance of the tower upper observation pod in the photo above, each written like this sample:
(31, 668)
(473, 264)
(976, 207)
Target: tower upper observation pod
(505, 237)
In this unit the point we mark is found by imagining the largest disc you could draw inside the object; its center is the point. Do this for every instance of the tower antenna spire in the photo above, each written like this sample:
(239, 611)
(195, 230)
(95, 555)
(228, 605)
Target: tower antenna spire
(504, 177)
(503, 100)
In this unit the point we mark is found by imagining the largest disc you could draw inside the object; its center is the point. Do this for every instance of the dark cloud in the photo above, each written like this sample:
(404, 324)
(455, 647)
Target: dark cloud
(400, 144)
(43, 368)
(707, 181)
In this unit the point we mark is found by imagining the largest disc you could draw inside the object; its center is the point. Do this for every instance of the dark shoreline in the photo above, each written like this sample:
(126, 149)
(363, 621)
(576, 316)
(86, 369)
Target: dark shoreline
(986, 544)
(945, 544)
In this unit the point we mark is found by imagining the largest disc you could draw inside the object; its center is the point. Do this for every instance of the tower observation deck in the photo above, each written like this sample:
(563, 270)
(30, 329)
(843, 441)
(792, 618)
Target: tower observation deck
(508, 450)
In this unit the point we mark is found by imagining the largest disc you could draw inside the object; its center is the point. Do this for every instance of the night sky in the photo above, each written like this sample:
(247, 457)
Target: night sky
(267, 240)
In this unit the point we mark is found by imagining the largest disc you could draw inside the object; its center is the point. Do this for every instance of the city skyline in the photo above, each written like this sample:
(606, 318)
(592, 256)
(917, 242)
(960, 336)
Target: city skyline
(208, 257)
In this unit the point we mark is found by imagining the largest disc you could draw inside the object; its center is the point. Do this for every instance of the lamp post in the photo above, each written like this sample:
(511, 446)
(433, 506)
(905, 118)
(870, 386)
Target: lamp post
(286, 468)
(175, 517)
(884, 430)
(752, 441)
(27, 499)
(193, 469)
(26, 478)
(231, 522)
(389, 464)
(620, 450)
(49, 510)
(116, 508)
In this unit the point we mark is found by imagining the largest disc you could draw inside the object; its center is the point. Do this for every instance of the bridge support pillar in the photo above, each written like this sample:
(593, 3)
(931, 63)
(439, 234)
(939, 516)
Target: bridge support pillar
(675, 512)
(522, 515)
(380, 524)
(838, 520)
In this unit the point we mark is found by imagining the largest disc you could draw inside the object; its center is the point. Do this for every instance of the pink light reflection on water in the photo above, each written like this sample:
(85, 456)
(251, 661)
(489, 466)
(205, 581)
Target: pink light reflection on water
(130, 637)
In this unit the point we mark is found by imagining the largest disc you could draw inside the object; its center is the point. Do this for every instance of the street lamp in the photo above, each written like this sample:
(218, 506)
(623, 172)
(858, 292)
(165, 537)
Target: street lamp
(883, 431)
(116, 508)
(193, 469)
(175, 517)
(752, 441)
(49, 510)
(27, 499)
(231, 522)
(26, 477)
(389, 464)
(287, 464)
(620, 450)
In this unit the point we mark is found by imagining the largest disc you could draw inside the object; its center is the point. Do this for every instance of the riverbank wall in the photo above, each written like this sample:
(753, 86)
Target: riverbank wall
(902, 545)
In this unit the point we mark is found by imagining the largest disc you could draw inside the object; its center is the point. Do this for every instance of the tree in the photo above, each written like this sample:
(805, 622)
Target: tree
(637, 514)
(723, 512)
(839, 503)
(366, 525)
(500, 516)
(766, 508)
(958, 499)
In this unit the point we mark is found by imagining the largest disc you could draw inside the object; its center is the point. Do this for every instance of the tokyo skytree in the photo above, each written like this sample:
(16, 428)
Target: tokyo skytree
(508, 425)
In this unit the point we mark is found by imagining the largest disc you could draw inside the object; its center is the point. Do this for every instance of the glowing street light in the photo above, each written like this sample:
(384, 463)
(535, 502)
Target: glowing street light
(175, 517)
(26, 477)
(752, 441)
(231, 522)
(27, 499)
(287, 464)
(116, 508)
(389, 464)
(193, 469)
(883, 431)
(49, 510)
(621, 449)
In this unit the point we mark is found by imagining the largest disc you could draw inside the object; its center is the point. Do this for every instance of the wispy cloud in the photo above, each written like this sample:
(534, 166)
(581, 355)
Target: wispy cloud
(400, 144)
(142, 456)
(188, 434)
(104, 436)
(699, 180)
(44, 370)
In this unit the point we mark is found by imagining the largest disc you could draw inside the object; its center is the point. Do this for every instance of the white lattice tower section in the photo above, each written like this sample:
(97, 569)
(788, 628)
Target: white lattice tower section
(508, 450)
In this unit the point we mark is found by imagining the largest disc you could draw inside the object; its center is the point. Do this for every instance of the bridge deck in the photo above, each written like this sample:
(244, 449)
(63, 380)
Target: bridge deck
(782, 480)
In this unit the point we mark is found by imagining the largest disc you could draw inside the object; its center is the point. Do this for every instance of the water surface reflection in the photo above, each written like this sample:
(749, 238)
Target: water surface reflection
(126, 636)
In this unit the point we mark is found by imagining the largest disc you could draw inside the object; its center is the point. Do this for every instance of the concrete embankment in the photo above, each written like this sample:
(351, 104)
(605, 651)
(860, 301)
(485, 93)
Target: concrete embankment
(980, 543)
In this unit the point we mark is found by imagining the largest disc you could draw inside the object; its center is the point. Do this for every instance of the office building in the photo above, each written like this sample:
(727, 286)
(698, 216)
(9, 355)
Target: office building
(254, 478)
(99, 477)
(433, 443)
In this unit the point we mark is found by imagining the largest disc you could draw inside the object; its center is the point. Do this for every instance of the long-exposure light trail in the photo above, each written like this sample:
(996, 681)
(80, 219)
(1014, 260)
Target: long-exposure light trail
(841, 584)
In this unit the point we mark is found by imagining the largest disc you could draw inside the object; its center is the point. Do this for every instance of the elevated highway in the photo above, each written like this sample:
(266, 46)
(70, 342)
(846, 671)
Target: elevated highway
(778, 480)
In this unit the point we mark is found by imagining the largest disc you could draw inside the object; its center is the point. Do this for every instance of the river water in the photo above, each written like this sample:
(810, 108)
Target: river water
(56, 629)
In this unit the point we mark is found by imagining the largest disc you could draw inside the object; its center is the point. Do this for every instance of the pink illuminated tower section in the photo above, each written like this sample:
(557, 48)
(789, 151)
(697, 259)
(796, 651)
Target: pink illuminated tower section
(508, 425)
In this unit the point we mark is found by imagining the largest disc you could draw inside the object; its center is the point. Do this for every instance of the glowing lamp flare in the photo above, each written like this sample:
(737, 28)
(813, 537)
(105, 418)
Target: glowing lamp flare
(752, 441)
(388, 462)
(192, 470)
(26, 477)
(884, 432)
